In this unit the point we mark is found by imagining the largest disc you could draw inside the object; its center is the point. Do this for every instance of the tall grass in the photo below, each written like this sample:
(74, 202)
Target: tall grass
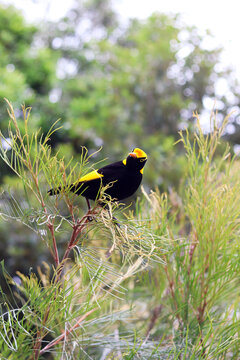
(162, 285)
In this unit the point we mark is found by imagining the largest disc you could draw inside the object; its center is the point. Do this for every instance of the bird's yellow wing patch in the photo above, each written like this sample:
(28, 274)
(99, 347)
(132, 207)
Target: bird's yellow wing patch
(93, 175)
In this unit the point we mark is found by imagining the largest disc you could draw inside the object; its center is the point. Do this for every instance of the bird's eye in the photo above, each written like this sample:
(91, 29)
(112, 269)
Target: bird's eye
(142, 160)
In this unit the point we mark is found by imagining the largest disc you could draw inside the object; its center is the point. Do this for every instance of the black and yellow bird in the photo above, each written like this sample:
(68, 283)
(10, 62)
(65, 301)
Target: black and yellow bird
(121, 179)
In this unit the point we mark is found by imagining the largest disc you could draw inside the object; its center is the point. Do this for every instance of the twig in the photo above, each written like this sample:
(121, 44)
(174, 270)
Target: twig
(55, 250)
(39, 337)
(77, 229)
(67, 332)
(155, 314)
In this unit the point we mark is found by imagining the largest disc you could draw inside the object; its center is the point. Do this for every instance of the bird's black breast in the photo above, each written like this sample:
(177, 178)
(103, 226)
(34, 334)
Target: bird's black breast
(121, 181)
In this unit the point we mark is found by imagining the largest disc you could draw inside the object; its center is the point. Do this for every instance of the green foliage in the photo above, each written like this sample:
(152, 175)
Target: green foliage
(161, 284)
(27, 71)
(197, 289)
(59, 299)
(112, 84)
(16, 36)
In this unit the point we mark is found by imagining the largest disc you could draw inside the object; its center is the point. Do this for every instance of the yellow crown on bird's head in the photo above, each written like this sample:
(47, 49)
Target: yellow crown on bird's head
(138, 153)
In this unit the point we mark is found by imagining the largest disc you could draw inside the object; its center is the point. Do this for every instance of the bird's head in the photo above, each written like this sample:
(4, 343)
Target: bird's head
(136, 160)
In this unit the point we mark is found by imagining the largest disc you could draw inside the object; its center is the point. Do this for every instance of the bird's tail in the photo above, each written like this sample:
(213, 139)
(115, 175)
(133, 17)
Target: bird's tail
(61, 189)
(55, 191)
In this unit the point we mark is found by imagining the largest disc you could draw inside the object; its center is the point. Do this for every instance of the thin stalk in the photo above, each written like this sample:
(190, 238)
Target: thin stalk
(77, 229)
(67, 332)
(37, 344)
(55, 250)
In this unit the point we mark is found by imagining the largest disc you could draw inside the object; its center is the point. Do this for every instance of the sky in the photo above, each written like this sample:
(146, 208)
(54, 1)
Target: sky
(220, 17)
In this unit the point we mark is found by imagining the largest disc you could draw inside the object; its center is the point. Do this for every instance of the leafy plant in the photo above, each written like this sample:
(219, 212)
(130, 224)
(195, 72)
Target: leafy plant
(59, 299)
(196, 298)
(160, 284)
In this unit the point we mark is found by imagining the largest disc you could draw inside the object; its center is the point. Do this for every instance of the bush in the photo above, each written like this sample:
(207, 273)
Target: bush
(162, 283)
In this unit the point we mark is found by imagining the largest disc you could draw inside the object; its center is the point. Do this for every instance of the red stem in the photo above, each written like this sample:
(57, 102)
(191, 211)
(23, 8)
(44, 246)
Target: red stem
(55, 250)
(76, 231)
(37, 344)
(61, 337)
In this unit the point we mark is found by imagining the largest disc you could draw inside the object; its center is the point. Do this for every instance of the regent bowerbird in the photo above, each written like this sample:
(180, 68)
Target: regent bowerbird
(120, 179)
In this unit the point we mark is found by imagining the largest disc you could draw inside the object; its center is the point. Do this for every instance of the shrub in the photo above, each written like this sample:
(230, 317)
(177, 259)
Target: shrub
(162, 283)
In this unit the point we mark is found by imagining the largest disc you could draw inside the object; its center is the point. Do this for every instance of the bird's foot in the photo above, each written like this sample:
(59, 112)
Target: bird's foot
(90, 218)
(115, 221)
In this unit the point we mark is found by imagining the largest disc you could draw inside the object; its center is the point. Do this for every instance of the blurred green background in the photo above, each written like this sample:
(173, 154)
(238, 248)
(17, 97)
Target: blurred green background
(115, 84)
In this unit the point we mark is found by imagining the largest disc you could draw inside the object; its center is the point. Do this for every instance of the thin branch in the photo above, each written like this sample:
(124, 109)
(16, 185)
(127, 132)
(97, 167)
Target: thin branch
(67, 332)
(77, 229)
(55, 250)
(155, 315)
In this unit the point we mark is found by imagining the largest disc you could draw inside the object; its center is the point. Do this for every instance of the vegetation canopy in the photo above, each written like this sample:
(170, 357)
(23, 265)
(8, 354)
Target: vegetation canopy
(114, 83)
(160, 283)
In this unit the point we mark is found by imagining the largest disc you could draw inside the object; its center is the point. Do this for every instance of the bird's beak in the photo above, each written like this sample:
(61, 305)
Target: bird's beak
(132, 154)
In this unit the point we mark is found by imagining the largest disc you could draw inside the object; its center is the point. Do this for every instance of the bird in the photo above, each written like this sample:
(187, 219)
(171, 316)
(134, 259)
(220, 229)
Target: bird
(120, 179)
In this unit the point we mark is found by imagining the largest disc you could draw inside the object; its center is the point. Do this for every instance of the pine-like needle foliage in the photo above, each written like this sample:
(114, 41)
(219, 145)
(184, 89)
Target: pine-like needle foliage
(162, 283)
(62, 307)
